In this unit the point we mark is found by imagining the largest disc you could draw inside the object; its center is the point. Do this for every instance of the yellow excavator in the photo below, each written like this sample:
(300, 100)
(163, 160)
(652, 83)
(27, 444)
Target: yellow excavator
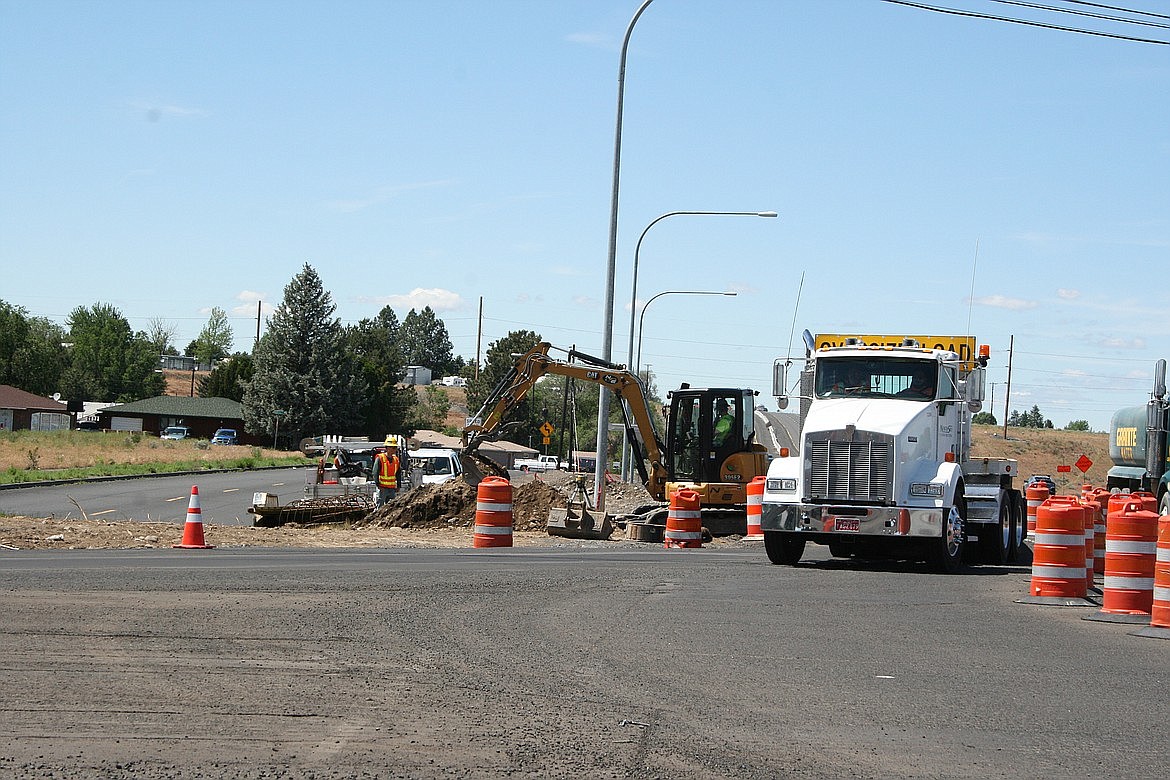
(709, 444)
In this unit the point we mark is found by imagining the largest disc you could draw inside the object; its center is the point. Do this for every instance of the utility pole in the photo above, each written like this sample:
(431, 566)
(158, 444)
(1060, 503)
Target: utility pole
(478, 336)
(1008, 394)
(259, 307)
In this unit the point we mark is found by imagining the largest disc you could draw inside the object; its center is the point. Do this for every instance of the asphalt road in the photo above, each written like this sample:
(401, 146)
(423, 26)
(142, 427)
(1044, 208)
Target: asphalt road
(587, 660)
(224, 497)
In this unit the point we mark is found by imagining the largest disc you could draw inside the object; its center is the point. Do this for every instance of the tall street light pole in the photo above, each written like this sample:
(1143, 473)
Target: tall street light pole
(634, 287)
(607, 329)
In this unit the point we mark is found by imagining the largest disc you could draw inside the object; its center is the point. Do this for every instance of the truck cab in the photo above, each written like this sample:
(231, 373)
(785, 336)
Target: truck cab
(884, 463)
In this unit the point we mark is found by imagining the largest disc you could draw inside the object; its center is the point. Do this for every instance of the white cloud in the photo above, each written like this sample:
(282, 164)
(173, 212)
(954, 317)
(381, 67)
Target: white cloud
(1115, 342)
(1004, 302)
(1068, 295)
(419, 298)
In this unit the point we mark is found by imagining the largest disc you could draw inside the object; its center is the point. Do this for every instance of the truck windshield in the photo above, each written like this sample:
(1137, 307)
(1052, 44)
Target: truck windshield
(865, 377)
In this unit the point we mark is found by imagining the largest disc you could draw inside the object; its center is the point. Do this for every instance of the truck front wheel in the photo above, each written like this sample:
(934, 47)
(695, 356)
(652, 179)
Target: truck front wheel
(946, 556)
(783, 549)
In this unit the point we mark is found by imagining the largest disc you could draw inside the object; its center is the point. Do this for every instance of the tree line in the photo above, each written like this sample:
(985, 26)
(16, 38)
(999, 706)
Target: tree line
(308, 373)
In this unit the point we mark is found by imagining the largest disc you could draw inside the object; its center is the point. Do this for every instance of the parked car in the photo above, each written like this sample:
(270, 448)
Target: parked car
(225, 436)
(176, 432)
(434, 466)
(1044, 479)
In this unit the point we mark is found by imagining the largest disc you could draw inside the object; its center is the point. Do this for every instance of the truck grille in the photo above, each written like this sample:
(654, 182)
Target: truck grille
(851, 470)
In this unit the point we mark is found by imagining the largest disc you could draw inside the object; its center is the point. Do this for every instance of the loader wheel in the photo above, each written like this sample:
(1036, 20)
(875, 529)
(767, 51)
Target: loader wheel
(783, 549)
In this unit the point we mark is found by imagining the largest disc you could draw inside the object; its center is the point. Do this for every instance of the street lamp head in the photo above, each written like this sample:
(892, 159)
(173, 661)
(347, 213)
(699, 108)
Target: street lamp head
(767, 214)
(732, 294)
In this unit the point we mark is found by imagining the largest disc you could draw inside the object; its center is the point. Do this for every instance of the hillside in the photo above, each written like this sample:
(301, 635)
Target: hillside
(1041, 451)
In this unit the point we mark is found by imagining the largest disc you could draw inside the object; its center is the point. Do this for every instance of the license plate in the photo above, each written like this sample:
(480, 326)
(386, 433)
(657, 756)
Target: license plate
(847, 524)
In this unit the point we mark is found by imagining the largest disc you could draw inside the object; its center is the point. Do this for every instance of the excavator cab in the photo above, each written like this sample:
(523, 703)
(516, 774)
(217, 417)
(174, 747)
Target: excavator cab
(710, 444)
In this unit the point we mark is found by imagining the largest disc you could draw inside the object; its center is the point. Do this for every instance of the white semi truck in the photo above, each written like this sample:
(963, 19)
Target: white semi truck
(884, 467)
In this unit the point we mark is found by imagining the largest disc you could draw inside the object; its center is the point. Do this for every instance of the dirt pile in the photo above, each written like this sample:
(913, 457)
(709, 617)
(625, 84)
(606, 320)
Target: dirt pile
(452, 504)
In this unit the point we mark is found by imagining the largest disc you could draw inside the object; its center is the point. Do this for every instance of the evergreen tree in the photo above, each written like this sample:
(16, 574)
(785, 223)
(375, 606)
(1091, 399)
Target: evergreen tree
(984, 418)
(228, 379)
(1078, 425)
(302, 368)
(374, 345)
(424, 341)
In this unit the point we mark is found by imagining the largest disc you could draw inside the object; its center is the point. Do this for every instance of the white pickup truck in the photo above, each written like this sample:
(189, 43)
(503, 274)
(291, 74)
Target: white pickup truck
(539, 463)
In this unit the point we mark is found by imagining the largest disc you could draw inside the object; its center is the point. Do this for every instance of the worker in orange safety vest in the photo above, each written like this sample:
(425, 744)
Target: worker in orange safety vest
(386, 472)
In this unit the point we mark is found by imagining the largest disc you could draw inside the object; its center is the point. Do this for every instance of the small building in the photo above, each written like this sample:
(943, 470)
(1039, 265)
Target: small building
(418, 375)
(24, 411)
(202, 416)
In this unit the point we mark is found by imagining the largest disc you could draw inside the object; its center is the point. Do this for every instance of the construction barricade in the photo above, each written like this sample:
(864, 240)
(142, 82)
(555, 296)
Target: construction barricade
(1058, 552)
(193, 527)
(755, 509)
(684, 523)
(1098, 499)
(1131, 539)
(493, 513)
(1160, 613)
(1036, 495)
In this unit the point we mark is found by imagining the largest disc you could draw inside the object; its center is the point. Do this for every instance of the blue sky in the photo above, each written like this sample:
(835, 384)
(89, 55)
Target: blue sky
(933, 174)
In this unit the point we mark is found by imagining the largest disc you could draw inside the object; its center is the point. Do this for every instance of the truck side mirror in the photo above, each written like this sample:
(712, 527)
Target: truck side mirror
(780, 384)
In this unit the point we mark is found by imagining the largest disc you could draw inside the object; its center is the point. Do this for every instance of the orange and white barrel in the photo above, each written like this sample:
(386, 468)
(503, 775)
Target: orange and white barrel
(1036, 495)
(1058, 552)
(684, 524)
(755, 509)
(1099, 504)
(493, 513)
(1160, 612)
(1131, 540)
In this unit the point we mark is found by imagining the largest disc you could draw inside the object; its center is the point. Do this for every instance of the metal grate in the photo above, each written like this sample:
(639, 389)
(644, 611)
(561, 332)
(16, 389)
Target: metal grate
(851, 470)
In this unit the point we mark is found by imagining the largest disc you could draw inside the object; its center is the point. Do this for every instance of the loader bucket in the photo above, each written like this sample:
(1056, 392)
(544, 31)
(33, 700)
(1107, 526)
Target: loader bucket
(576, 521)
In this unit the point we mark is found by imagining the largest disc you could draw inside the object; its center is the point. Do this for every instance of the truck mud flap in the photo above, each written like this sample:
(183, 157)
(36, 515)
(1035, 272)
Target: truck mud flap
(576, 521)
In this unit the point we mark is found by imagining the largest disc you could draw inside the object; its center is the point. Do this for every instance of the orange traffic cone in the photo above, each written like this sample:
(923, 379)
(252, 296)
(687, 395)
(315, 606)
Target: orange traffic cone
(193, 530)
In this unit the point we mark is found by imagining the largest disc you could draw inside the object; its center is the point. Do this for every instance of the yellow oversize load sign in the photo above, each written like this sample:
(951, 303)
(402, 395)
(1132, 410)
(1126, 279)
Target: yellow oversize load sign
(963, 346)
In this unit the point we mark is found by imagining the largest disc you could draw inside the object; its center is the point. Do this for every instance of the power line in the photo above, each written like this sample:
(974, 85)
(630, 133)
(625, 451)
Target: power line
(1088, 14)
(1118, 8)
(1025, 22)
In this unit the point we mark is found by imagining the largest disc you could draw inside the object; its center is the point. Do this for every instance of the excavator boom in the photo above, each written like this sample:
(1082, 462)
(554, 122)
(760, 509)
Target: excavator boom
(488, 424)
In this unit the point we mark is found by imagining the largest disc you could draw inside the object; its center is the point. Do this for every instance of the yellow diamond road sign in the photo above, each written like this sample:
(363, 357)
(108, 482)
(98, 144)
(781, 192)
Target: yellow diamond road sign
(547, 429)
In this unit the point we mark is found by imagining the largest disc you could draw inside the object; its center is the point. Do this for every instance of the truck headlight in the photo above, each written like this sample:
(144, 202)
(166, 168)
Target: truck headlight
(787, 485)
(926, 489)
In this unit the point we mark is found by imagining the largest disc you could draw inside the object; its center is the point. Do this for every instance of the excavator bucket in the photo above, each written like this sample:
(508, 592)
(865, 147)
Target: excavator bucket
(577, 521)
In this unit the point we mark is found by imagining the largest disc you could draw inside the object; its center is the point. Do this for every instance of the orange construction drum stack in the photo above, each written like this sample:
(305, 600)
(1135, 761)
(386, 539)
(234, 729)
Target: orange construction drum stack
(1036, 495)
(684, 524)
(1058, 552)
(755, 509)
(1131, 537)
(493, 513)
(1160, 614)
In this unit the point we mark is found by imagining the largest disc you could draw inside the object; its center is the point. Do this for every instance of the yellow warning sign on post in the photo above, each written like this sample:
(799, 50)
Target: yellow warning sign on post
(547, 440)
(547, 429)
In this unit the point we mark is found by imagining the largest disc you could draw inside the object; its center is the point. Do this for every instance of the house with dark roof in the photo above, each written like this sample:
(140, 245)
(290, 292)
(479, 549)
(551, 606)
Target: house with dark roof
(202, 416)
(24, 411)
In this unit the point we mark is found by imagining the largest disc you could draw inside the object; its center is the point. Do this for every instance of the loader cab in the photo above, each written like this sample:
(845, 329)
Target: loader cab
(704, 428)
